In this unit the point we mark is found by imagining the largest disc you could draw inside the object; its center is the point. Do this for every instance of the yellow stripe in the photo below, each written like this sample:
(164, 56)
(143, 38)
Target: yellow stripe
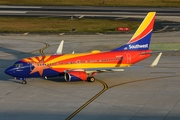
(67, 56)
(27, 60)
(47, 57)
(86, 65)
(35, 60)
(144, 24)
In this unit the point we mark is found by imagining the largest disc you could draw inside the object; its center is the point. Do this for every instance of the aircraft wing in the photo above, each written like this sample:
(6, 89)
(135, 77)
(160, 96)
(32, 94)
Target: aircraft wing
(104, 70)
(98, 70)
(60, 48)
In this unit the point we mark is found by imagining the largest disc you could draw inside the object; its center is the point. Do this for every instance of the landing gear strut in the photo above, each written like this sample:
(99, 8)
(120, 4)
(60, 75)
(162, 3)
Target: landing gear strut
(24, 82)
(91, 79)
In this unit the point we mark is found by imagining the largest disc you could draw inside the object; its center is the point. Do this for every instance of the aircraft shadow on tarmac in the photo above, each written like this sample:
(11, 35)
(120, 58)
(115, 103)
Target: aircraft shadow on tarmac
(56, 79)
(53, 79)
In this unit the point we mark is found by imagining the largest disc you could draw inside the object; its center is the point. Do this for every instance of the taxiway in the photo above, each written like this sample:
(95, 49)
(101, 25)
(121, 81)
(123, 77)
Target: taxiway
(135, 94)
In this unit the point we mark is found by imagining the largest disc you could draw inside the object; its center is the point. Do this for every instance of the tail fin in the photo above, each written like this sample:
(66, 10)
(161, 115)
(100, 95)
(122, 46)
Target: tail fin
(141, 38)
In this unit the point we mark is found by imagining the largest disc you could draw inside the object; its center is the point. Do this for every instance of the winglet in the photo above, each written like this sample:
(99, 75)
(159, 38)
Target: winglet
(155, 62)
(59, 50)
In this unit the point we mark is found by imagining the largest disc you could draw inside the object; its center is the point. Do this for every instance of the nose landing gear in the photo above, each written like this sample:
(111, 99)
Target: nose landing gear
(24, 82)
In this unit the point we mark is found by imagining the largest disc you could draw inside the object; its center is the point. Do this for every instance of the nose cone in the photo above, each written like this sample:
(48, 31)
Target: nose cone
(9, 71)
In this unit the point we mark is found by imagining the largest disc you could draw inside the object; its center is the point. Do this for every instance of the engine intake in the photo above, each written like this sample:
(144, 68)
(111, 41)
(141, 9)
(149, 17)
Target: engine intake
(75, 76)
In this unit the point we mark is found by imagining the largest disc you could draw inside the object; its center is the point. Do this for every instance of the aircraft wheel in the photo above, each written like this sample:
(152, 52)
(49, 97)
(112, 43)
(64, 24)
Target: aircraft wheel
(24, 82)
(91, 79)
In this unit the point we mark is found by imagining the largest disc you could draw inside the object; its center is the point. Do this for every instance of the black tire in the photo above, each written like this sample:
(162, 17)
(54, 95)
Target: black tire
(91, 79)
(24, 82)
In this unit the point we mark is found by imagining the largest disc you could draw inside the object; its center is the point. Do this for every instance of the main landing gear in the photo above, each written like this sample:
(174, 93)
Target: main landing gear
(91, 79)
(24, 82)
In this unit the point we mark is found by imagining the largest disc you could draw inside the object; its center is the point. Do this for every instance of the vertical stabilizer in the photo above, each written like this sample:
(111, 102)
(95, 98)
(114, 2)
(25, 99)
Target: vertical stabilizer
(142, 37)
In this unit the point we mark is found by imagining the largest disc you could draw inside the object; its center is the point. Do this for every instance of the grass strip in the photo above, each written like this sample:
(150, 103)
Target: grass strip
(149, 3)
(165, 46)
(51, 25)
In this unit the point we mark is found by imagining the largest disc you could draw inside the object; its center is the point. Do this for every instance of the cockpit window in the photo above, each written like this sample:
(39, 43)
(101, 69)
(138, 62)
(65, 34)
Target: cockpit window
(18, 65)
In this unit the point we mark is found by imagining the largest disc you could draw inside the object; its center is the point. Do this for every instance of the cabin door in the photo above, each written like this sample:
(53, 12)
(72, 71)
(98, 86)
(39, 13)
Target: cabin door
(128, 55)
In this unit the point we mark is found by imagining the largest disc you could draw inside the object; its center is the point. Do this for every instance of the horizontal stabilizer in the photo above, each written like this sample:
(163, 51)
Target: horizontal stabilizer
(111, 70)
(155, 62)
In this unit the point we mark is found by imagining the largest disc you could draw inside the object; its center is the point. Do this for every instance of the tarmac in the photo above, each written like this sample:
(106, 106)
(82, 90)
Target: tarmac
(135, 94)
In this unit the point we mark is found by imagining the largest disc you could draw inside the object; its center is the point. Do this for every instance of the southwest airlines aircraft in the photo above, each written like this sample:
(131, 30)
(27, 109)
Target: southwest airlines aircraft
(83, 66)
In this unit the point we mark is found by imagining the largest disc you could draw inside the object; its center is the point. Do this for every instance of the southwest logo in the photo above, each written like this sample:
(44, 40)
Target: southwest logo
(138, 46)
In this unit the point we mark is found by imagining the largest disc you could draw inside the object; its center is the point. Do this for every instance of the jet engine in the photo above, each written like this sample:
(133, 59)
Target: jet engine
(75, 76)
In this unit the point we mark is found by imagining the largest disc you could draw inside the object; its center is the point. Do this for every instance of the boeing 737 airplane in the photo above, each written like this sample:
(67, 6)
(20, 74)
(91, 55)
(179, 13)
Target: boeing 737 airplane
(83, 66)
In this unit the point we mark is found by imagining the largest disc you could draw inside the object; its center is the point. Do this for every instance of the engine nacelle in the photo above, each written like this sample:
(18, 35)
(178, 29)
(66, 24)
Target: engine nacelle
(75, 76)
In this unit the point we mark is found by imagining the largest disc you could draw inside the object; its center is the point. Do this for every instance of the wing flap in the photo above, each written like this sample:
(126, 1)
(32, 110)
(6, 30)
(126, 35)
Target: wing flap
(98, 70)
(104, 70)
